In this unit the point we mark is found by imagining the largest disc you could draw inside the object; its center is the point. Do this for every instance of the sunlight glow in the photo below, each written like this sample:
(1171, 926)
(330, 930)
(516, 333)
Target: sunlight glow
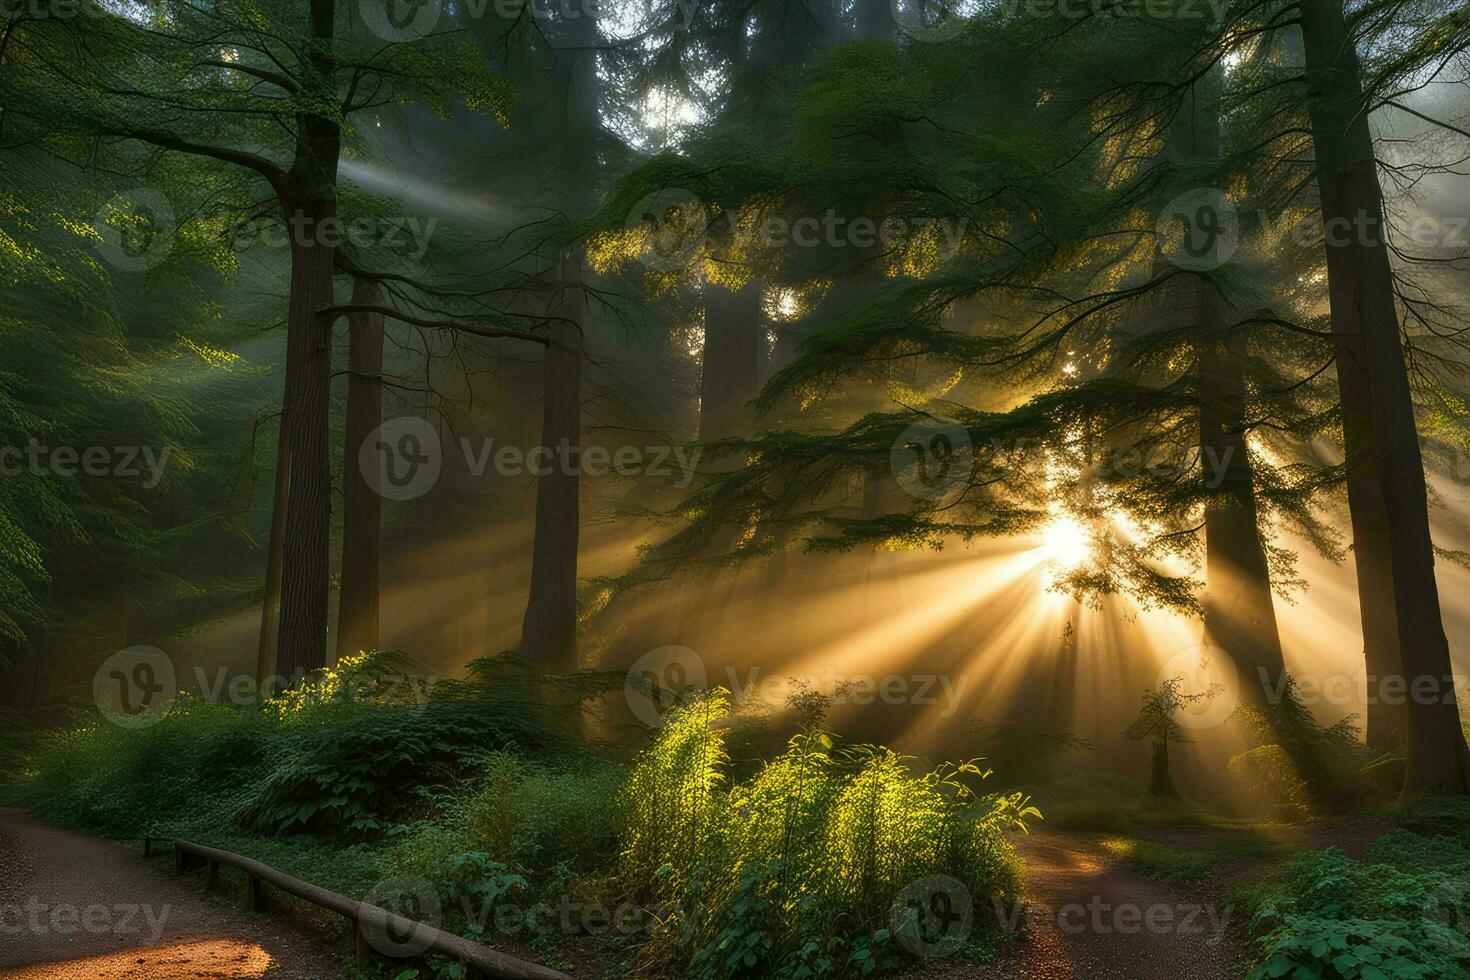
(1065, 544)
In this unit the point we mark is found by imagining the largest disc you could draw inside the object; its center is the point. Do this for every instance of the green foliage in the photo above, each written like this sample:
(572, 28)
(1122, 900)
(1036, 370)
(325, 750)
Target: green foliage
(1334, 917)
(1269, 781)
(793, 872)
(342, 755)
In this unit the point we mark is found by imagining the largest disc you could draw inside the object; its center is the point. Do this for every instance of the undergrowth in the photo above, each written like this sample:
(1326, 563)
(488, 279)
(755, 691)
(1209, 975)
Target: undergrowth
(482, 798)
(1402, 911)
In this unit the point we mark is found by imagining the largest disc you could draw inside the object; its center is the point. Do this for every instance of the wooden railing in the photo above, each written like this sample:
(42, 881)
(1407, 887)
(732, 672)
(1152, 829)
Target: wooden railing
(480, 960)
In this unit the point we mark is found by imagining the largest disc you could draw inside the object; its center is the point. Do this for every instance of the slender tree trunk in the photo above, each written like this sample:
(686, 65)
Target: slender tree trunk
(1371, 549)
(1364, 311)
(1239, 611)
(306, 569)
(549, 629)
(1240, 615)
(732, 351)
(270, 610)
(357, 610)
(1161, 782)
(308, 204)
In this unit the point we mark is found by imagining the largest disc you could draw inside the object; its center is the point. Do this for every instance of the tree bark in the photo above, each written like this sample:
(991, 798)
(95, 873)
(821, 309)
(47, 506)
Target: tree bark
(308, 204)
(1364, 312)
(1239, 613)
(305, 568)
(549, 629)
(730, 376)
(270, 611)
(1161, 782)
(357, 610)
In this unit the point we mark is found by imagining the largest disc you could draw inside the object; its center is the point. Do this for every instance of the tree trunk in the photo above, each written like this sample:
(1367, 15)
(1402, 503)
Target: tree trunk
(1161, 783)
(306, 569)
(549, 629)
(270, 607)
(1371, 549)
(732, 353)
(1240, 616)
(1364, 311)
(357, 610)
(1239, 612)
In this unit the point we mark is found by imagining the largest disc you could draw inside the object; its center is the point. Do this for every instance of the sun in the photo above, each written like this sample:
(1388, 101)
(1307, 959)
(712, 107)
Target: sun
(1065, 544)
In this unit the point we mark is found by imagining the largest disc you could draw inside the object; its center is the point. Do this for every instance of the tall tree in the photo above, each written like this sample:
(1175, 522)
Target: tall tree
(1377, 401)
(357, 610)
(225, 82)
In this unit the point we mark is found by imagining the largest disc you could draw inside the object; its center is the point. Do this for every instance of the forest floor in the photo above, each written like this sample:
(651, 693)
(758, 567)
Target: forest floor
(1083, 889)
(77, 906)
(1091, 911)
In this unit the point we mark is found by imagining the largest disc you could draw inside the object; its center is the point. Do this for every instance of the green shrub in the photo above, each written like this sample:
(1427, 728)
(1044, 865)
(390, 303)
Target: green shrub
(1334, 917)
(795, 871)
(1268, 781)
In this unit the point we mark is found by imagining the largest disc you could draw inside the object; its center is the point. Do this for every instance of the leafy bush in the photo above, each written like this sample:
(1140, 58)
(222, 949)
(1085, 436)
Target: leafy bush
(1338, 918)
(1269, 783)
(794, 872)
(341, 755)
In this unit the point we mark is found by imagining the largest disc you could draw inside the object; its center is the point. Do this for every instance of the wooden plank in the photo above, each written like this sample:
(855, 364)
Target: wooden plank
(477, 955)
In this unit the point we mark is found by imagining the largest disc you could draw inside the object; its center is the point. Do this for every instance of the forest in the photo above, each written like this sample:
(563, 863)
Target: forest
(734, 489)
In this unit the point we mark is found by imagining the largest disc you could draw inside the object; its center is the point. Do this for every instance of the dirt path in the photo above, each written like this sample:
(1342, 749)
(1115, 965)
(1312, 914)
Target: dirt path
(77, 907)
(1089, 917)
